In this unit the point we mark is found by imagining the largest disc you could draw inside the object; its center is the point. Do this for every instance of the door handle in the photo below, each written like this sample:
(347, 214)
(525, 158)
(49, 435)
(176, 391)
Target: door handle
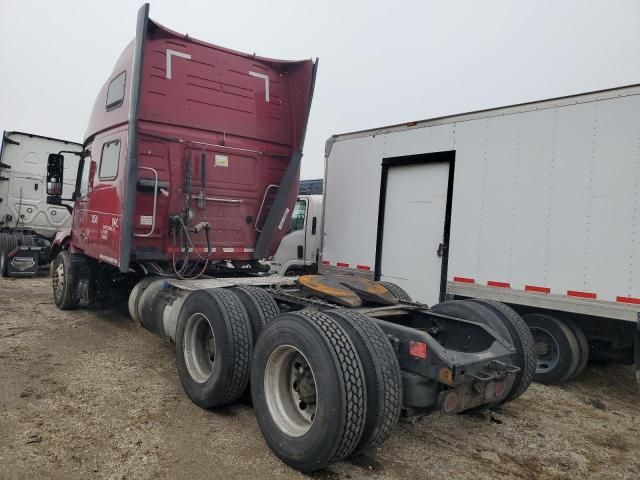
(441, 249)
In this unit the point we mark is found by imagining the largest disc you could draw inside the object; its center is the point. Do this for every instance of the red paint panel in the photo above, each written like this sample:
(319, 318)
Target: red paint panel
(492, 283)
(341, 264)
(366, 268)
(463, 280)
(534, 288)
(632, 300)
(575, 293)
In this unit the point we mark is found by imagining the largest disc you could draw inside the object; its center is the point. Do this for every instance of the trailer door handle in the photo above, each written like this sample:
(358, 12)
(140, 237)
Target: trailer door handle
(440, 251)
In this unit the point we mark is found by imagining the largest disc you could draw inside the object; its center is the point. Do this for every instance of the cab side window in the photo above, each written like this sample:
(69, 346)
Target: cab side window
(115, 93)
(109, 160)
(298, 216)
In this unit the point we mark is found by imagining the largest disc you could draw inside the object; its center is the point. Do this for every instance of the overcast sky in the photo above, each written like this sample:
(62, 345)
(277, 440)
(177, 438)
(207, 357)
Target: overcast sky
(381, 62)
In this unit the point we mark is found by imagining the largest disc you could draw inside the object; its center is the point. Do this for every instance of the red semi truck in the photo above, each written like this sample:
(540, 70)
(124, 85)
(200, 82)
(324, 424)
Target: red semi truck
(187, 179)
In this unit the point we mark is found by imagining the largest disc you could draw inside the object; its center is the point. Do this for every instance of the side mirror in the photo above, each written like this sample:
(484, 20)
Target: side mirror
(55, 172)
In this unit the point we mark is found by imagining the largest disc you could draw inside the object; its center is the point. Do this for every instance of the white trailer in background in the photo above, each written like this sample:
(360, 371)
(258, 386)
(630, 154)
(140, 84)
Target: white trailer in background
(25, 217)
(536, 205)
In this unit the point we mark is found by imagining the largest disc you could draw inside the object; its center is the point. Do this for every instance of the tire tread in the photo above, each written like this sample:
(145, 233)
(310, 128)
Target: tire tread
(387, 370)
(353, 376)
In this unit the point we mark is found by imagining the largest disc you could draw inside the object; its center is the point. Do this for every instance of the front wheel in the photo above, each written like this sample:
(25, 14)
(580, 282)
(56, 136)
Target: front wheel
(64, 279)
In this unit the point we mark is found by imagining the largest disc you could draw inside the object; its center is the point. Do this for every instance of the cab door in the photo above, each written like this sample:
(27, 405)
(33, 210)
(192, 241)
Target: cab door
(81, 218)
(104, 207)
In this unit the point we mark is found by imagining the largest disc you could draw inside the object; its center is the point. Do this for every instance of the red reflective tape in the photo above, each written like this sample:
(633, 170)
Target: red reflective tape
(575, 293)
(363, 267)
(491, 283)
(463, 280)
(418, 350)
(341, 264)
(533, 288)
(326, 262)
(633, 300)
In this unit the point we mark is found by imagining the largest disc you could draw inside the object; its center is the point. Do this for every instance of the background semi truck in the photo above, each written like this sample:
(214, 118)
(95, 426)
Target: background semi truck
(187, 181)
(26, 220)
(535, 205)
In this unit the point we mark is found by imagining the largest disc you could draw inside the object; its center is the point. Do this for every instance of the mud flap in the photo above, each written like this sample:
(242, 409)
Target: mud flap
(23, 262)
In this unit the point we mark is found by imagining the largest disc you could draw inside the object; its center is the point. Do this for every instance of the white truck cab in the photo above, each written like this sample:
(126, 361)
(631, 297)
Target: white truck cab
(300, 248)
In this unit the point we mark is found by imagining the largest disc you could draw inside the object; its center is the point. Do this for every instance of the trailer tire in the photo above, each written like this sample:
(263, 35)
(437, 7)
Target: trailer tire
(397, 291)
(523, 341)
(381, 373)
(583, 345)
(560, 344)
(300, 357)
(65, 272)
(260, 306)
(213, 322)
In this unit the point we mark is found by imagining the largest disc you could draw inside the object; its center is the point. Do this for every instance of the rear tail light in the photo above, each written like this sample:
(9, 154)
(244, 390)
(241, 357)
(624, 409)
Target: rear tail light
(418, 350)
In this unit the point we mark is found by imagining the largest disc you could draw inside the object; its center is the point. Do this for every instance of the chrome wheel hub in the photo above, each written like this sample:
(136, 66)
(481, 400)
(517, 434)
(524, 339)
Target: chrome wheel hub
(290, 390)
(199, 348)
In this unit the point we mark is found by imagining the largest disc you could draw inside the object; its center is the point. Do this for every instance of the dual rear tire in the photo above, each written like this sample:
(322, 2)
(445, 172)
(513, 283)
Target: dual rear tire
(324, 385)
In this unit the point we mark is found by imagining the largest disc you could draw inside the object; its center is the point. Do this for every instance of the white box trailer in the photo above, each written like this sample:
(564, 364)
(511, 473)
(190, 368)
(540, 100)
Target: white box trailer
(536, 205)
(26, 220)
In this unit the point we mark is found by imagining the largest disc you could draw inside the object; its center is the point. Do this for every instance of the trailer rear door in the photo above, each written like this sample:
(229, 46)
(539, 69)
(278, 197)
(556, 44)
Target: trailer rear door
(415, 206)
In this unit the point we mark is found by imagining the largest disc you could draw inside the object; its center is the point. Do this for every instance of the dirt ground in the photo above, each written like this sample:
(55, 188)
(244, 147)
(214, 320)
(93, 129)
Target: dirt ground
(88, 394)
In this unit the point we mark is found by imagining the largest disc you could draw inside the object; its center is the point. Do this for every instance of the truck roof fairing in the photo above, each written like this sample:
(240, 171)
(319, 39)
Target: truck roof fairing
(186, 90)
